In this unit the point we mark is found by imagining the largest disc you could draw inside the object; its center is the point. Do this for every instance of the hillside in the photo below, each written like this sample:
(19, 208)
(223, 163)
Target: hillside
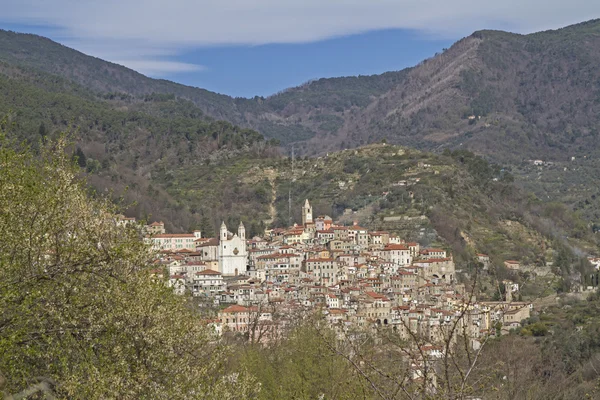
(529, 96)
(455, 200)
(122, 141)
(42, 54)
(508, 97)
(168, 161)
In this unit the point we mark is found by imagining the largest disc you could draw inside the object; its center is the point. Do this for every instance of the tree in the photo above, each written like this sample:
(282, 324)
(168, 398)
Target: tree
(79, 306)
(42, 131)
(80, 157)
(303, 366)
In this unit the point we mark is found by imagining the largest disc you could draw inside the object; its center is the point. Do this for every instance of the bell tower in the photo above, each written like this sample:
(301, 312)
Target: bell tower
(242, 231)
(223, 235)
(307, 213)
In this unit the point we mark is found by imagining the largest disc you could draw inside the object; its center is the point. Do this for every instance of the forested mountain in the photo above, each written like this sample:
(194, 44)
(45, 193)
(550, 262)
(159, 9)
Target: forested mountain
(122, 141)
(508, 97)
(528, 96)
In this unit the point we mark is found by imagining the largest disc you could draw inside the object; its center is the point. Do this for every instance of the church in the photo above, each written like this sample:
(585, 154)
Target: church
(228, 250)
(233, 254)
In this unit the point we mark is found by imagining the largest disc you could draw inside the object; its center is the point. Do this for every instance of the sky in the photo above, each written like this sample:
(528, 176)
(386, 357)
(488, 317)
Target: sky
(259, 47)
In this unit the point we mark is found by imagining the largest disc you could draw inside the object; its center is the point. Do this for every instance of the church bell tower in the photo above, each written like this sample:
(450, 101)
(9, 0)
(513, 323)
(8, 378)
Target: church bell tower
(307, 217)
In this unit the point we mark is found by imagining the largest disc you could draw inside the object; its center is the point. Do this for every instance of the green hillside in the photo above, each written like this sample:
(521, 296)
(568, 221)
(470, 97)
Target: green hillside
(531, 95)
(123, 140)
(455, 200)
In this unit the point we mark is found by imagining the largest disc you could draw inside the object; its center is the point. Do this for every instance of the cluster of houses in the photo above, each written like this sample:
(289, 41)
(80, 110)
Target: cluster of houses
(354, 276)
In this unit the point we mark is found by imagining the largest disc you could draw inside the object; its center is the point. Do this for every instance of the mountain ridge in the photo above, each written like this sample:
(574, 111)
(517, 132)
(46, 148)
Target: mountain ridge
(508, 97)
(425, 106)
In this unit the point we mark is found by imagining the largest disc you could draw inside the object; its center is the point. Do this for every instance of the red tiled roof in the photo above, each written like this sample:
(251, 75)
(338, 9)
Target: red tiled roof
(174, 235)
(277, 255)
(432, 260)
(208, 242)
(395, 247)
(235, 309)
(326, 231)
(208, 272)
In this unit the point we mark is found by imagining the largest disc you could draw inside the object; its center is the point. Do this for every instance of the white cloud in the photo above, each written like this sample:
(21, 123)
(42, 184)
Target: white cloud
(159, 68)
(161, 28)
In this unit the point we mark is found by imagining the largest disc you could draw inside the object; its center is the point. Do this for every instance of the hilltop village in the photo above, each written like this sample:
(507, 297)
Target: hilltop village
(358, 278)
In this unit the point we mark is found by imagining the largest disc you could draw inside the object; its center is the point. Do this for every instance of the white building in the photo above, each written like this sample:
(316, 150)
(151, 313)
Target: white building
(233, 254)
(207, 282)
(175, 241)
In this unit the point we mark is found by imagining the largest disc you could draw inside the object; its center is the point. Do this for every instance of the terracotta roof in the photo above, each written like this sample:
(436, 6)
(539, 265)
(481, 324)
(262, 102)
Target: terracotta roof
(395, 247)
(235, 309)
(427, 251)
(401, 272)
(326, 231)
(208, 272)
(209, 242)
(376, 295)
(277, 255)
(432, 260)
(174, 235)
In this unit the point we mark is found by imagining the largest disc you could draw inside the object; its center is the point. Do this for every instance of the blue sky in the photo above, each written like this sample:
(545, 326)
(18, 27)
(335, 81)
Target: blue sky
(258, 47)
(266, 69)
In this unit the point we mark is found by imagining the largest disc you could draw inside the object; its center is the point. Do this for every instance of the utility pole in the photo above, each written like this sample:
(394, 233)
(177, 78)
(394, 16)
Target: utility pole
(290, 190)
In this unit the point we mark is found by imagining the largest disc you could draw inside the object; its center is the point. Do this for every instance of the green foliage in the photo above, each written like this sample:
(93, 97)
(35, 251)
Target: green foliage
(125, 144)
(303, 366)
(538, 329)
(80, 157)
(78, 303)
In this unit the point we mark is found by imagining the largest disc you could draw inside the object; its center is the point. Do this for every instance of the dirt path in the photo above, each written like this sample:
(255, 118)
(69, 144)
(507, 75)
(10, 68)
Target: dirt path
(270, 174)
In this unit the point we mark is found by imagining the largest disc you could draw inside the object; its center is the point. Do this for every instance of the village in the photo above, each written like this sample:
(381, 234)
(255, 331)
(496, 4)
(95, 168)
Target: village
(356, 277)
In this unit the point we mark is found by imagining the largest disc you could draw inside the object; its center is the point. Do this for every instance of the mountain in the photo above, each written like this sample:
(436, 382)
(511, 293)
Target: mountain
(507, 96)
(122, 142)
(42, 54)
(528, 96)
